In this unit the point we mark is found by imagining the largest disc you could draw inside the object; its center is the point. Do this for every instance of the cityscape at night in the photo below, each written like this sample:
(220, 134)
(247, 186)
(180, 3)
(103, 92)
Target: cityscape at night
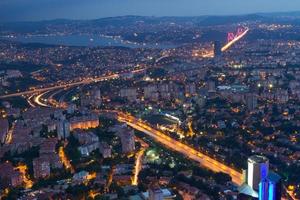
(149, 100)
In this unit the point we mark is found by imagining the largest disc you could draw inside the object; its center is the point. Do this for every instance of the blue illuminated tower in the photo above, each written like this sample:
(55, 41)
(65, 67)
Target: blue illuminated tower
(270, 187)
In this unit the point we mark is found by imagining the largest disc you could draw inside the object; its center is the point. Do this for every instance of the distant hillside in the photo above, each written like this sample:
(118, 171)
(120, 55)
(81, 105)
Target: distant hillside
(42, 26)
(223, 20)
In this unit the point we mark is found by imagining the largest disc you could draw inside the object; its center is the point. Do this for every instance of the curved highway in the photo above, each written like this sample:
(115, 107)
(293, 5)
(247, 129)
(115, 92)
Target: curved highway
(65, 85)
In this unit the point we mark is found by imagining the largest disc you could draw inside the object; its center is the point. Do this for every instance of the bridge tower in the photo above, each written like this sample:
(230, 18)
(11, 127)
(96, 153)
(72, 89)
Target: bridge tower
(240, 31)
(230, 36)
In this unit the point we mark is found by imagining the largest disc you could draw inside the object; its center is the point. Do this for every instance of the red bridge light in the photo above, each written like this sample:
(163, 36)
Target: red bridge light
(240, 31)
(230, 37)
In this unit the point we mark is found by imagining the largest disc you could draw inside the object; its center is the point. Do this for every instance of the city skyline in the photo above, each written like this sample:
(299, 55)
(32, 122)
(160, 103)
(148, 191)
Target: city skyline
(149, 100)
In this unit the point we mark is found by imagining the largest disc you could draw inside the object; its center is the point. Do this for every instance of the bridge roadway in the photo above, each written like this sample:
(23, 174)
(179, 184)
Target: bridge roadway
(229, 44)
(191, 153)
(236, 39)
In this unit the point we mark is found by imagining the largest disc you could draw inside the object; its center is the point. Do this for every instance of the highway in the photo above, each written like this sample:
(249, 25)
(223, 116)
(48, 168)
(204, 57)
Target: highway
(191, 153)
(139, 160)
(83, 82)
(37, 99)
(30, 102)
(66, 85)
(53, 102)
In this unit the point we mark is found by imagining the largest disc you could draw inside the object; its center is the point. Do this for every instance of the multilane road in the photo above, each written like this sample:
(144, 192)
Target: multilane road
(191, 153)
(66, 85)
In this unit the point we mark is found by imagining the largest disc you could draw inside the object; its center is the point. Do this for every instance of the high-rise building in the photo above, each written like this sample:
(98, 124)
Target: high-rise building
(84, 122)
(96, 96)
(190, 89)
(91, 98)
(105, 149)
(270, 187)
(217, 48)
(71, 108)
(3, 129)
(251, 101)
(129, 93)
(258, 169)
(63, 129)
(211, 86)
(41, 168)
(151, 92)
(155, 193)
(127, 138)
(96, 93)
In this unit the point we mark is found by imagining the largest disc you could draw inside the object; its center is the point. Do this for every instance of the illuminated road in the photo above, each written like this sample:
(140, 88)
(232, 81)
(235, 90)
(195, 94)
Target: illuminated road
(138, 165)
(63, 158)
(139, 160)
(290, 193)
(229, 44)
(236, 39)
(9, 135)
(29, 100)
(113, 76)
(86, 81)
(23, 169)
(66, 85)
(190, 132)
(38, 101)
(53, 102)
(110, 178)
(184, 149)
(161, 58)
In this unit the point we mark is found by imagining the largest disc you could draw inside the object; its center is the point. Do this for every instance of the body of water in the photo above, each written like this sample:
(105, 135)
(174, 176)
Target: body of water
(83, 40)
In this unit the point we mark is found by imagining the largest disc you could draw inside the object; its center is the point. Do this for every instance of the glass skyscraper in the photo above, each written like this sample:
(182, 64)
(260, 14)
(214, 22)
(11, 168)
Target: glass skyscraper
(270, 187)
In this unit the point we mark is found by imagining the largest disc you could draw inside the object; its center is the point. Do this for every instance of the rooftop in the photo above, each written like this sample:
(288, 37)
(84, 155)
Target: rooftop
(258, 159)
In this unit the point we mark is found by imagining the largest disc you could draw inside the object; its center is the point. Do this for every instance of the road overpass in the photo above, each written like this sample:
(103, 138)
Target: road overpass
(64, 85)
(67, 85)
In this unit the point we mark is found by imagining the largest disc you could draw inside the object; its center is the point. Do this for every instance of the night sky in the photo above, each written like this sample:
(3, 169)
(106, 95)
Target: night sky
(27, 10)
